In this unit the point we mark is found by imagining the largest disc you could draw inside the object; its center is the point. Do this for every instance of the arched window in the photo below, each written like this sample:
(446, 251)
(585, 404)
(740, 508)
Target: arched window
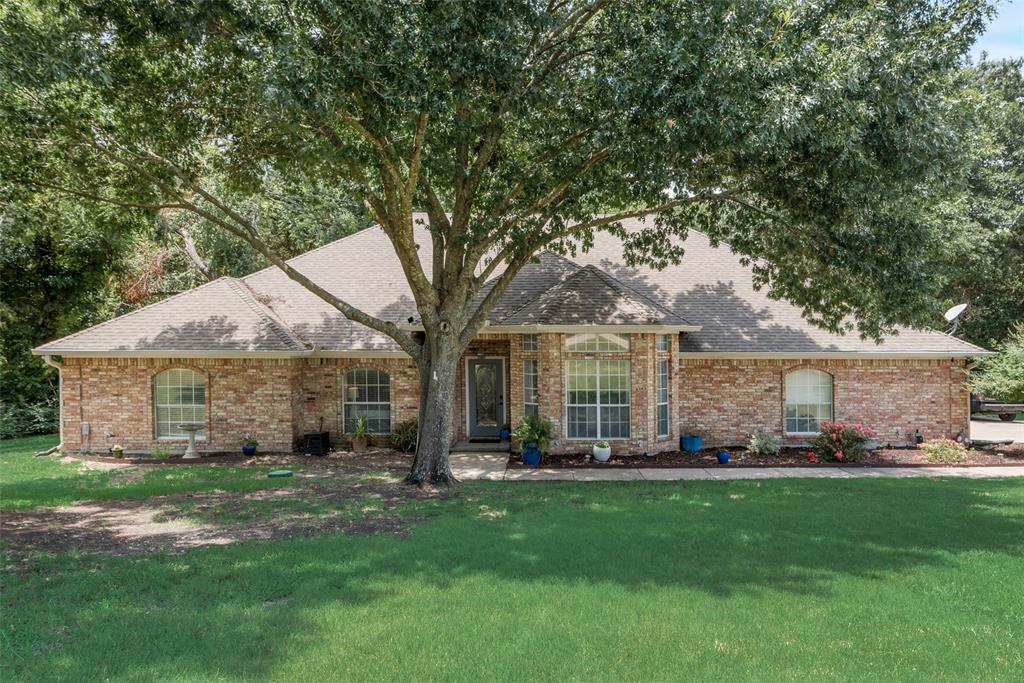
(179, 397)
(367, 393)
(808, 401)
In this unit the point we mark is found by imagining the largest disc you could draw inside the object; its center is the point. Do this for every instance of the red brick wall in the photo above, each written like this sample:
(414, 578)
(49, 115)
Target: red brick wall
(724, 400)
(115, 396)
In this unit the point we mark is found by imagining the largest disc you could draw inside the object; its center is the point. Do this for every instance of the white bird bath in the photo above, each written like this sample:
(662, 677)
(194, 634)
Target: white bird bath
(191, 428)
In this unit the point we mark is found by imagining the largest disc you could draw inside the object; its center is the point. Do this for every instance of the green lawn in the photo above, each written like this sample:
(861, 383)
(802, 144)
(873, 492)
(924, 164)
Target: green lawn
(26, 481)
(913, 579)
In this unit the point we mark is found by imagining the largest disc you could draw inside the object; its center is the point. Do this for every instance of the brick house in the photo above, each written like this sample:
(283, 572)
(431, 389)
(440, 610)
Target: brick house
(636, 356)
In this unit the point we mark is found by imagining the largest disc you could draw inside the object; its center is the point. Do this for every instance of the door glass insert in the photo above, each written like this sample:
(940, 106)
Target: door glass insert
(486, 378)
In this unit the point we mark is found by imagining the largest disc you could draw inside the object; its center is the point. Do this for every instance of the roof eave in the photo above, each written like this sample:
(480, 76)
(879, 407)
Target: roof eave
(834, 354)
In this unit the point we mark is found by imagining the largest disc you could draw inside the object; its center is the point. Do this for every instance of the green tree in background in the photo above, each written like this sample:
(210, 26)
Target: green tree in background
(819, 139)
(1001, 377)
(985, 262)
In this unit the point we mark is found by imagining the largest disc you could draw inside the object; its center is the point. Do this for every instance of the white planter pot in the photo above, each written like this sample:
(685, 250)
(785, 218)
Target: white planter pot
(602, 454)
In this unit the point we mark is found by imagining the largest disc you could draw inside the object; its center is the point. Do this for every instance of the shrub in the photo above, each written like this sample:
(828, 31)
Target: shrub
(404, 434)
(161, 451)
(763, 443)
(943, 451)
(840, 442)
(30, 418)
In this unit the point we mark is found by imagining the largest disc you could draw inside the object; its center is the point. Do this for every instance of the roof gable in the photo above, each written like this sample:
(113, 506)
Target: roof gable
(591, 297)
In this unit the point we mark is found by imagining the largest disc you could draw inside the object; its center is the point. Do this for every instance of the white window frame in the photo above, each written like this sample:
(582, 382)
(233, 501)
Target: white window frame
(345, 402)
(529, 343)
(535, 374)
(662, 397)
(174, 434)
(661, 343)
(628, 405)
(805, 374)
(589, 342)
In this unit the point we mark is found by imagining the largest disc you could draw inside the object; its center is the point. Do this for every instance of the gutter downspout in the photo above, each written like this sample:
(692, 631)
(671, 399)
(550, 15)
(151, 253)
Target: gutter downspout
(48, 359)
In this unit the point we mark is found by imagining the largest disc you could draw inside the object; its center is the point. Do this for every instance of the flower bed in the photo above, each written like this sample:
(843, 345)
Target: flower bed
(787, 457)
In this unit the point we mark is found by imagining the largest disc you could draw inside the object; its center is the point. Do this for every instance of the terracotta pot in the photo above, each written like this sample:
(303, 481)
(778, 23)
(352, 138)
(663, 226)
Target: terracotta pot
(358, 444)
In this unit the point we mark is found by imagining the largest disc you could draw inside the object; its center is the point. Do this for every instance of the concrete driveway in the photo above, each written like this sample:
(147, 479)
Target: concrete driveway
(995, 430)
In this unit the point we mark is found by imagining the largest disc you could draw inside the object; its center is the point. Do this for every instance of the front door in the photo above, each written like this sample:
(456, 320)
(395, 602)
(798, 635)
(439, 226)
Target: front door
(485, 386)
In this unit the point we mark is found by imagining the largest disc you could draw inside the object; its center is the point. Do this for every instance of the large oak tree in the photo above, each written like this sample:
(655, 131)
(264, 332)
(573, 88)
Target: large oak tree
(815, 137)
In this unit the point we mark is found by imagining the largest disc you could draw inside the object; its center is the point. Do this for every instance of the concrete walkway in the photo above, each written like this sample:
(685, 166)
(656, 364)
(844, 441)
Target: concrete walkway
(492, 466)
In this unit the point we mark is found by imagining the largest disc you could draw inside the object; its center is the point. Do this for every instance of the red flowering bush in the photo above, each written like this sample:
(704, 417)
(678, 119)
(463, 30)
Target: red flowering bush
(839, 442)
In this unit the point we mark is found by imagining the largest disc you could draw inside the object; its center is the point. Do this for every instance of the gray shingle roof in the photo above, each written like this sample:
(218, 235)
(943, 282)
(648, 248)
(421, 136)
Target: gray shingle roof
(267, 312)
(221, 316)
(591, 297)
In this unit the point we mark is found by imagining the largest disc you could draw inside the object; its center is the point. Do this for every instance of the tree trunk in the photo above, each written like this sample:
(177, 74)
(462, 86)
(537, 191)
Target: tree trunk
(437, 370)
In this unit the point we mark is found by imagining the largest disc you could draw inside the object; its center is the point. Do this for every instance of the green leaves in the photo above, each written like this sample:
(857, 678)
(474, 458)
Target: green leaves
(821, 137)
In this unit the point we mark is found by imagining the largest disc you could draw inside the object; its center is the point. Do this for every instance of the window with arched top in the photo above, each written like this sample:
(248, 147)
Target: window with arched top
(179, 397)
(367, 393)
(808, 401)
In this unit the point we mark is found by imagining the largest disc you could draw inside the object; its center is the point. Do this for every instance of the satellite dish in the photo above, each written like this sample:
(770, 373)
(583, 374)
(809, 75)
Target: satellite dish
(953, 316)
(954, 313)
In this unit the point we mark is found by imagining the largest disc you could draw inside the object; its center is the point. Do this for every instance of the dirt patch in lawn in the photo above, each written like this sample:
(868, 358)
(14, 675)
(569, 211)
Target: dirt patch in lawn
(330, 495)
(1012, 454)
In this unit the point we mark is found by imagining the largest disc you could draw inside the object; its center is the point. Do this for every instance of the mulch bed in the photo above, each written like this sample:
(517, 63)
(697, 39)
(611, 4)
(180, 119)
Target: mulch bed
(372, 458)
(1012, 454)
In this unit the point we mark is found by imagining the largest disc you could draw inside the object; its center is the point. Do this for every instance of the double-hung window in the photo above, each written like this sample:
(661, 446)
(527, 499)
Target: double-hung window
(530, 402)
(368, 395)
(598, 399)
(808, 401)
(663, 397)
(179, 398)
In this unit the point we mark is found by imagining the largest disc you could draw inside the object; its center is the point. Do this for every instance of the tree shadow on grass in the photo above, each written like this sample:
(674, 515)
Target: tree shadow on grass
(242, 610)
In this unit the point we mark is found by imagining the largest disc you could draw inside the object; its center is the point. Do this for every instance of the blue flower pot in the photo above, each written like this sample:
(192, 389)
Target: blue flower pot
(531, 455)
(723, 457)
(691, 443)
(505, 434)
(249, 451)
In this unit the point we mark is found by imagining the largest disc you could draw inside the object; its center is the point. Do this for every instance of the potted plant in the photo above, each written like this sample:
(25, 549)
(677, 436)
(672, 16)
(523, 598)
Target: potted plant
(723, 457)
(534, 436)
(506, 433)
(249, 444)
(360, 435)
(602, 451)
(117, 450)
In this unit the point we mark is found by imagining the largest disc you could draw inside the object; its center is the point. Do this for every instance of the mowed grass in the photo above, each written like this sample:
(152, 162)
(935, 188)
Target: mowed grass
(26, 481)
(912, 579)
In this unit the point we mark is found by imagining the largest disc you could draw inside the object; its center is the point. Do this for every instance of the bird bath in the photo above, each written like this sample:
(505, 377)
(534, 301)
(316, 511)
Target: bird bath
(191, 428)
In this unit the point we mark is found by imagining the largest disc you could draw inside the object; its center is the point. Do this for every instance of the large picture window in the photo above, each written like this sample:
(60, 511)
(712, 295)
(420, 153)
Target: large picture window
(597, 342)
(597, 399)
(808, 401)
(530, 403)
(180, 398)
(367, 394)
(663, 394)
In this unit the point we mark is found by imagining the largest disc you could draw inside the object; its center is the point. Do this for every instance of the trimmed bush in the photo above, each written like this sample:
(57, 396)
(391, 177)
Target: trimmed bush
(403, 436)
(763, 443)
(943, 451)
(840, 442)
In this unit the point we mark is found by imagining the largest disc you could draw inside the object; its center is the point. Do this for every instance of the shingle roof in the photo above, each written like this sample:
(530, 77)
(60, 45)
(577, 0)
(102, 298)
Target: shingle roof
(267, 312)
(591, 297)
(221, 316)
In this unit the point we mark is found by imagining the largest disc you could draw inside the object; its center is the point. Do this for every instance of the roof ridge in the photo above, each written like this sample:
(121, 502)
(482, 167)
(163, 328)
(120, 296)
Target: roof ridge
(615, 282)
(571, 275)
(132, 313)
(249, 296)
